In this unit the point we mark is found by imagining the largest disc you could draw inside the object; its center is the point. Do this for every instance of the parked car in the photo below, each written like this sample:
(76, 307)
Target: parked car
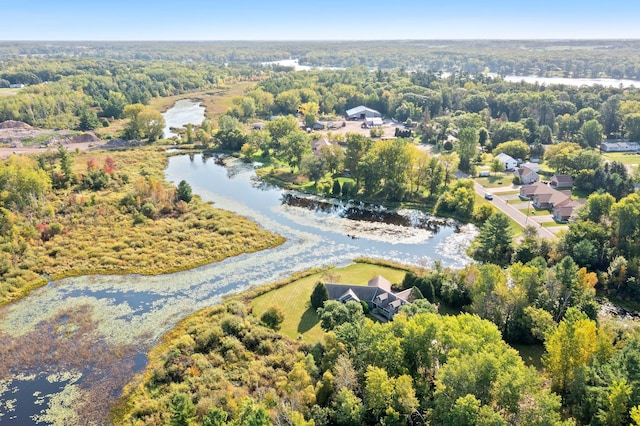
(488, 196)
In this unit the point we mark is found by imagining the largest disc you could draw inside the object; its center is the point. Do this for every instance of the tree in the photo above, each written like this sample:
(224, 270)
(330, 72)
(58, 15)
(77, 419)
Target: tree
(184, 192)
(569, 349)
(515, 148)
(183, 411)
(215, 417)
(378, 390)
(144, 123)
(319, 295)
(88, 120)
(503, 132)
(231, 139)
(494, 241)
(272, 318)
(281, 127)
(347, 408)
(357, 147)
(467, 147)
(334, 314)
(631, 125)
(592, 133)
(333, 157)
(314, 167)
(294, 147)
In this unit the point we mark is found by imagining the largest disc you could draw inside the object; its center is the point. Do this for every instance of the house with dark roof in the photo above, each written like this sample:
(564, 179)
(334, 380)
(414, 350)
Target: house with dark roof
(528, 191)
(563, 211)
(377, 294)
(561, 182)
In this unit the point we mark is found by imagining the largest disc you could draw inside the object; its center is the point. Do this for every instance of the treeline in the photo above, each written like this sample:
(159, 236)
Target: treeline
(67, 93)
(224, 366)
(577, 58)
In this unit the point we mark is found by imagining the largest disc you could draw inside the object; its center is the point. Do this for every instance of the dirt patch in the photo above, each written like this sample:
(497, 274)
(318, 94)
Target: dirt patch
(12, 124)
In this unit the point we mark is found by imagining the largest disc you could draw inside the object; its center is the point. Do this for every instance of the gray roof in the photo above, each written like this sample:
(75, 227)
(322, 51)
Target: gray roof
(362, 109)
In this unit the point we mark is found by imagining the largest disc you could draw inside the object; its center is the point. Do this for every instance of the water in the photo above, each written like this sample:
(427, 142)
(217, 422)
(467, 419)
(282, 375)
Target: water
(96, 330)
(293, 63)
(183, 112)
(607, 82)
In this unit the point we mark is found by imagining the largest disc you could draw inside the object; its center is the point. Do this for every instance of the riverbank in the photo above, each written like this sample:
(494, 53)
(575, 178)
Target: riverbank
(89, 232)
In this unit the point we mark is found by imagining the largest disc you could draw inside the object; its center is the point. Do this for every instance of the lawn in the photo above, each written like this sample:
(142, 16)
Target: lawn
(553, 224)
(624, 158)
(6, 91)
(535, 212)
(499, 181)
(300, 319)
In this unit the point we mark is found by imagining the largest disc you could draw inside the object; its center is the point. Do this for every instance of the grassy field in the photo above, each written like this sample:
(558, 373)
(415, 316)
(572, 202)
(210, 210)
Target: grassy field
(535, 212)
(624, 158)
(300, 319)
(6, 91)
(500, 181)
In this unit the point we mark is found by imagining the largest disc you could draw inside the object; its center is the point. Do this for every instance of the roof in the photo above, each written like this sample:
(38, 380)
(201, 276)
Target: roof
(525, 171)
(506, 158)
(317, 145)
(535, 188)
(381, 282)
(349, 295)
(562, 180)
(533, 166)
(376, 121)
(336, 291)
(360, 110)
(554, 198)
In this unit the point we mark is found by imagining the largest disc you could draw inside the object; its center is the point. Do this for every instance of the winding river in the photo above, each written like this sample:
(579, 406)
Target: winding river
(78, 341)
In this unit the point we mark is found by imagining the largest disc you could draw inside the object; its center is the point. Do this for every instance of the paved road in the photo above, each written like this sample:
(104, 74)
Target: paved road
(515, 214)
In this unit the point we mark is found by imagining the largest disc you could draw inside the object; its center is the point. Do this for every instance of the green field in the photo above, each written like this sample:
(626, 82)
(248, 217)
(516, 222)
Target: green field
(300, 319)
(535, 212)
(624, 158)
(499, 181)
(6, 91)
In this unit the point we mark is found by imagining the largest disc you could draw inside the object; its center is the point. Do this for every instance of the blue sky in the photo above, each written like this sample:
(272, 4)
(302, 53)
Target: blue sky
(320, 20)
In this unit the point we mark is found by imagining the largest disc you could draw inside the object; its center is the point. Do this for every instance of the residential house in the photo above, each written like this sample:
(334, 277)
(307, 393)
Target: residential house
(528, 191)
(361, 112)
(318, 144)
(377, 294)
(561, 182)
(619, 146)
(509, 162)
(550, 199)
(563, 211)
(533, 166)
(526, 175)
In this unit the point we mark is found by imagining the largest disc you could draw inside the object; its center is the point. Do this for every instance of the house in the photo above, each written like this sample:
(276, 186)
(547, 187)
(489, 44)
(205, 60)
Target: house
(318, 144)
(16, 86)
(509, 162)
(318, 126)
(377, 294)
(561, 182)
(532, 165)
(619, 146)
(528, 191)
(526, 175)
(361, 112)
(563, 211)
(550, 199)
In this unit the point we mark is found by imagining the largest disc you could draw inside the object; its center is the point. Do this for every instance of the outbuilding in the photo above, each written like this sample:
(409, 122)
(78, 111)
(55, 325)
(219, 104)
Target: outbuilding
(361, 112)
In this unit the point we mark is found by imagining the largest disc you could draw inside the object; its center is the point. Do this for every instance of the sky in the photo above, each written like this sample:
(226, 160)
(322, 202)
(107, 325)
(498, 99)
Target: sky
(319, 20)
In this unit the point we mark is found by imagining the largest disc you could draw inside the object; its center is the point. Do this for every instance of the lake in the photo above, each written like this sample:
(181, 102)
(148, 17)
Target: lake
(607, 82)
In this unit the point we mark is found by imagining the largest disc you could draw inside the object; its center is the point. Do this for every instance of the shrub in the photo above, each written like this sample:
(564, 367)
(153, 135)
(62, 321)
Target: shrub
(149, 210)
(272, 318)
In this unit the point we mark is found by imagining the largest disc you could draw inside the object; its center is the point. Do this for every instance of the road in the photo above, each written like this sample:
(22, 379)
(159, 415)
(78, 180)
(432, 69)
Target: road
(515, 214)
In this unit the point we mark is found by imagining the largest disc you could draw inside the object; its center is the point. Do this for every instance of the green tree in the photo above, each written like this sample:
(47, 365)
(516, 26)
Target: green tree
(183, 411)
(319, 295)
(378, 390)
(631, 125)
(334, 314)
(347, 408)
(184, 191)
(88, 120)
(215, 417)
(294, 147)
(515, 148)
(494, 242)
(592, 133)
(281, 127)
(272, 318)
(616, 404)
(569, 349)
(467, 147)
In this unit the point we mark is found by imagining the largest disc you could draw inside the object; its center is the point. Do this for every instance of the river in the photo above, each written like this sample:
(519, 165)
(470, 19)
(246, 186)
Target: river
(606, 82)
(184, 111)
(72, 345)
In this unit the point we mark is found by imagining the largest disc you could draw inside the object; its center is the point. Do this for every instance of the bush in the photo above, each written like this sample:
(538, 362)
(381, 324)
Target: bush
(149, 210)
(272, 318)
